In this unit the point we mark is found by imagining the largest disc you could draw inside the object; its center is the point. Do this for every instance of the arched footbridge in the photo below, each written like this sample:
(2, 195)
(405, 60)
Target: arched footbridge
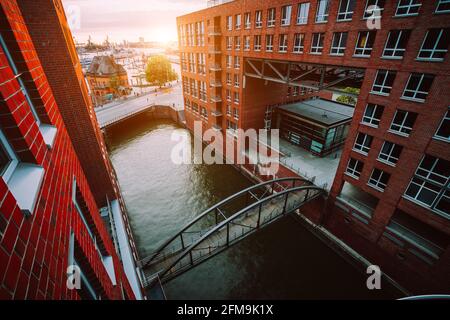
(225, 224)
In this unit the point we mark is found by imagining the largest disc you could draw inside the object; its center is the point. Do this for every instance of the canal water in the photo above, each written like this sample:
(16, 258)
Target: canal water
(282, 261)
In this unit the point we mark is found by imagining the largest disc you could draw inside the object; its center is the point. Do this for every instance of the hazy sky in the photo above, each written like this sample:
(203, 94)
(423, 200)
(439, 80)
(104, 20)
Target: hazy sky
(155, 20)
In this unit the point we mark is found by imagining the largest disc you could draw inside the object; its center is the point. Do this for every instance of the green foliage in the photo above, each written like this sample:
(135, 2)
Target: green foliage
(159, 71)
(348, 99)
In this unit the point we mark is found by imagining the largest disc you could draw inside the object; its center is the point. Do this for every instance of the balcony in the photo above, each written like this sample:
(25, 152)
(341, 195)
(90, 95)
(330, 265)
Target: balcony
(214, 49)
(216, 113)
(360, 201)
(216, 99)
(216, 127)
(214, 31)
(215, 67)
(215, 83)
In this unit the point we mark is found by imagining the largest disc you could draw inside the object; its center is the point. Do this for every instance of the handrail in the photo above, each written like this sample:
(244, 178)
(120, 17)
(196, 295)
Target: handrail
(233, 217)
(217, 205)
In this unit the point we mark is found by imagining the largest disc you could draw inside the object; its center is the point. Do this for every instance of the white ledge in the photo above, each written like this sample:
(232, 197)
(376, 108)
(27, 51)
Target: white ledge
(24, 184)
(49, 134)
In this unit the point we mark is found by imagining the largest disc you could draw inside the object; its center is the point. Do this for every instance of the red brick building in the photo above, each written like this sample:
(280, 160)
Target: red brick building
(390, 199)
(60, 204)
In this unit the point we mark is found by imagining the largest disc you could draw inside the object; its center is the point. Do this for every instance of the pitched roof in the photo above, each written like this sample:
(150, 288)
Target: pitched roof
(104, 66)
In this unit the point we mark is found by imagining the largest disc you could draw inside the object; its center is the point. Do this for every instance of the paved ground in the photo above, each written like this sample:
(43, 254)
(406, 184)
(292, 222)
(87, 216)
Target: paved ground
(309, 166)
(171, 97)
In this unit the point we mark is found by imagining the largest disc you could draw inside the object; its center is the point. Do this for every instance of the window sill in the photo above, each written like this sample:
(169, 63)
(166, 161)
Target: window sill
(24, 184)
(429, 59)
(424, 205)
(351, 176)
(364, 56)
(375, 188)
(401, 134)
(391, 58)
(441, 139)
(336, 54)
(412, 99)
(49, 134)
(344, 20)
(379, 93)
(369, 124)
(360, 152)
(386, 162)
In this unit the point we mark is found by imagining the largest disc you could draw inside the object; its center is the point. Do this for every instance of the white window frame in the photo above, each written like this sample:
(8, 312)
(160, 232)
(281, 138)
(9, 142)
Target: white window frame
(416, 90)
(283, 43)
(13, 162)
(247, 20)
(237, 42)
(299, 47)
(372, 14)
(236, 81)
(229, 62)
(236, 97)
(228, 77)
(383, 86)
(409, 6)
(351, 171)
(269, 45)
(396, 48)
(257, 44)
(286, 15)
(400, 127)
(238, 19)
(365, 50)
(247, 41)
(258, 19)
(271, 17)
(433, 50)
(365, 145)
(340, 48)
(229, 42)
(322, 15)
(377, 183)
(316, 48)
(236, 113)
(237, 62)
(369, 119)
(230, 23)
(445, 119)
(303, 13)
(347, 15)
(388, 158)
(442, 2)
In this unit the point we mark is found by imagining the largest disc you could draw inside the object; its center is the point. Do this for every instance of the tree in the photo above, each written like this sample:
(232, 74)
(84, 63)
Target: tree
(348, 99)
(159, 71)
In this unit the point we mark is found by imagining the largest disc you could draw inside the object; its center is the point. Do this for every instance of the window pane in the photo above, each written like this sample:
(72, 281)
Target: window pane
(4, 159)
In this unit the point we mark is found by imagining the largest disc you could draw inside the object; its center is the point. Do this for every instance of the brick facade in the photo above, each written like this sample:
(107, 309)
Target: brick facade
(34, 250)
(369, 238)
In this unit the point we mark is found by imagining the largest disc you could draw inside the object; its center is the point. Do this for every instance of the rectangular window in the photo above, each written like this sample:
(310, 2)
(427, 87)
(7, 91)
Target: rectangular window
(390, 153)
(228, 94)
(443, 6)
(396, 44)
(258, 19)
(435, 45)
(354, 168)
(430, 185)
(247, 20)
(229, 43)
(383, 82)
(228, 110)
(269, 43)
(317, 43)
(443, 131)
(228, 78)
(237, 43)
(236, 80)
(283, 47)
(257, 44)
(237, 62)
(247, 43)
(8, 158)
(365, 42)
(286, 13)
(299, 40)
(363, 143)
(339, 43)
(238, 21)
(229, 61)
(408, 7)
(230, 23)
(236, 97)
(346, 8)
(418, 86)
(403, 122)
(271, 17)
(379, 179)
(236, 113)
(374, 9)
(302, 13)
(322, 11)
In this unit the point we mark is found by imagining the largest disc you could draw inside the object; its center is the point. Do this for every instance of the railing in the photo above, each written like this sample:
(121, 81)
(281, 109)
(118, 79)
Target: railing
(215, 49)
(236, 212)
(214, 31)
(215, 67)
(238, 226)
(125, 115)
